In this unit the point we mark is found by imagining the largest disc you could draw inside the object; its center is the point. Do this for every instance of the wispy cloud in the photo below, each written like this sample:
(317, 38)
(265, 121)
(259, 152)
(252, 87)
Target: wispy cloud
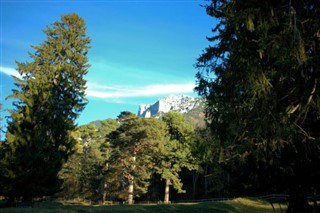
(106, 92)
(9, 71)
(118, 92)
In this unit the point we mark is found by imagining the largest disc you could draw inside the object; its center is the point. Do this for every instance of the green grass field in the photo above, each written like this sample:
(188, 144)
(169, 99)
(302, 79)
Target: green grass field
(236, 205)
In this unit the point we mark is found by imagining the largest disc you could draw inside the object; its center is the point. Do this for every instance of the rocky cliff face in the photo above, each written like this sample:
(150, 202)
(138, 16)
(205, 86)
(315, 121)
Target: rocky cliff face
(180, 104)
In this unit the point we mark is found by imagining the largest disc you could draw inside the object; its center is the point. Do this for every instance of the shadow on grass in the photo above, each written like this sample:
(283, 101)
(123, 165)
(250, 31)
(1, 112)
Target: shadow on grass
(237, 205)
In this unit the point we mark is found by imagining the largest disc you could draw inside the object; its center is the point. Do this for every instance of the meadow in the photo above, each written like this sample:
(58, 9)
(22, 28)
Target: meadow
(236, 205)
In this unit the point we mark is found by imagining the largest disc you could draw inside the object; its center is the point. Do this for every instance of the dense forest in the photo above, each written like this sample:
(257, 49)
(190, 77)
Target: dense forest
(261, 135)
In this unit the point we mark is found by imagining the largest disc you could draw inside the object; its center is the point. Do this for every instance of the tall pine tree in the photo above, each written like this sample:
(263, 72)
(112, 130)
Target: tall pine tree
(135, 143)
(49, 97)
(261, 81)
(176, 153)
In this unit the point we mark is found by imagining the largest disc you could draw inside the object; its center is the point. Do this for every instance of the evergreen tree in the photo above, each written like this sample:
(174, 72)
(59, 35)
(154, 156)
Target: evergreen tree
(176, 153)
(2, 151)
(1, 122)
(84, 172)
(49, 98)
(135, 143)
(260, 79)
(105, 128)
(81, 171)
(212, 175)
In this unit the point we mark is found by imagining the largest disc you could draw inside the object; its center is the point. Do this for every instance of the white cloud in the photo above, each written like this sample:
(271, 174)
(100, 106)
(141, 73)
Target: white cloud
(118, 92)
(9, 71)
(106, 92)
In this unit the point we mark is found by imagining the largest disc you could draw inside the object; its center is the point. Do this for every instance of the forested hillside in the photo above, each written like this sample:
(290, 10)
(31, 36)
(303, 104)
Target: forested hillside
(133, 153)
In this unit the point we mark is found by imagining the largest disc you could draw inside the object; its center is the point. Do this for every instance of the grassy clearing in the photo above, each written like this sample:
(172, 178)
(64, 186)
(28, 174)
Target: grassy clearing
(237, 205)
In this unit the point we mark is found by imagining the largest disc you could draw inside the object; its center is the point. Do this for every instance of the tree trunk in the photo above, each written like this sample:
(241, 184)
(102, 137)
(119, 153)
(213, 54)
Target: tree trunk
(206, 180)
(26, 201)
(130, 190)
(131, 178)
(194, 183)
(298, 202)
(104, 193)
(167, 191)
(10, 202)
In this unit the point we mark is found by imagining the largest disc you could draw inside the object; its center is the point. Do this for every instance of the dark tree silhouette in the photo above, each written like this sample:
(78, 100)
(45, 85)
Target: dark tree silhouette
(261, 81)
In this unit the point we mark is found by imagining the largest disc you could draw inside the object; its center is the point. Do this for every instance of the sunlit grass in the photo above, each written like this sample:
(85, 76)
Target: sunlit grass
(252, 205)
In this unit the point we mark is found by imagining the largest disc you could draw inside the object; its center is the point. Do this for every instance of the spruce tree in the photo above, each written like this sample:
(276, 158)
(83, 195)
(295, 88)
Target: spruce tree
(261, 81)
(49, 97)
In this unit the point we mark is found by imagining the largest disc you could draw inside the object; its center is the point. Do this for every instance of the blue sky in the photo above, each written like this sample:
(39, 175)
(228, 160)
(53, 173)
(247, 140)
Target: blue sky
(141, 50)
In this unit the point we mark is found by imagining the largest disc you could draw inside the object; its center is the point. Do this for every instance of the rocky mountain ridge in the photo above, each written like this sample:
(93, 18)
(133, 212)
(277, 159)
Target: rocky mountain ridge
(181, 103)
(191, 108)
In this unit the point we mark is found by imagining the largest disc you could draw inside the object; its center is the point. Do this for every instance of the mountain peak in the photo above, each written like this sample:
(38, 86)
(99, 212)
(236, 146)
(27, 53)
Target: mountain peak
(181, 103)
